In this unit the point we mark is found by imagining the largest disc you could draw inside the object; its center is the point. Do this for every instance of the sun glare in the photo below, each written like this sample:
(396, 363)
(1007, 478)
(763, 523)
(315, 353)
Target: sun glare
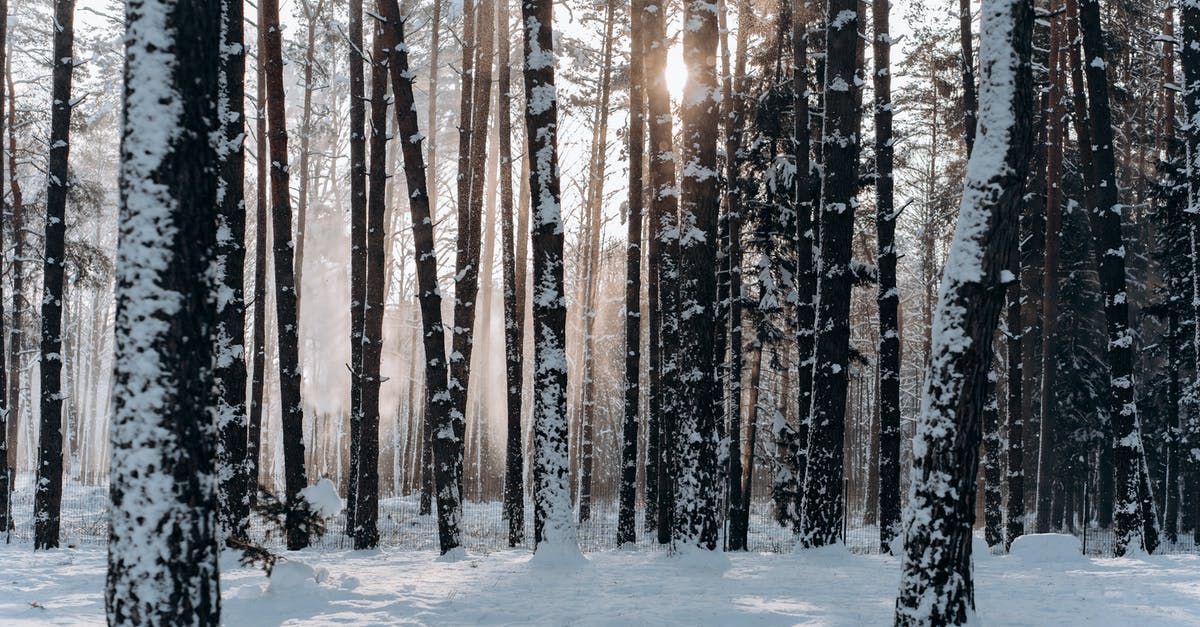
(676, 72)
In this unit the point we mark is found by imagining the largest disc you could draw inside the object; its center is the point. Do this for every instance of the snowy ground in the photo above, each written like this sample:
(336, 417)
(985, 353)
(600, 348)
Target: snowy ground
(828, 587)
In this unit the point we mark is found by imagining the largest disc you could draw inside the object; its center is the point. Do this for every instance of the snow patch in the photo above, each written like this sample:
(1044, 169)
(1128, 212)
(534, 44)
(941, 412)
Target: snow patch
(1048, 548)
(323, 498)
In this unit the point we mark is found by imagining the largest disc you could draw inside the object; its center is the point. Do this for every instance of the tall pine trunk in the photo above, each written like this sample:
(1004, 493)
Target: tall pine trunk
(16, 336)
(162, 555)
(823, 509)
(627, 515)
(937, 585)
(1189, 58)
(1136, 520)
(291, 404)
(7, 364)
(888, 297)
(47, 504)
(554, 530)
(259, 323)
(229, 371)
(446, 447)
(358, 248)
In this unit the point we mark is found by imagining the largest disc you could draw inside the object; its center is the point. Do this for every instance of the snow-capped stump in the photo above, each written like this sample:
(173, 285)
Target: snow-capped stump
(292, 575)
(1048, 548)
(322, 498)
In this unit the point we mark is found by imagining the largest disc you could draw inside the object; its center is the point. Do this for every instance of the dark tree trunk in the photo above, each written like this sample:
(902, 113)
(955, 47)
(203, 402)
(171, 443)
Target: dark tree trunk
(937, 584)
(696, 484)
(259, 324)
(292, 406)
(1136, 521)
(1015, 523)
(229, 371)
(16, 335)
(993, 505)
(888, 296)
(358, 249)
(1048, 425)
(8, 365)
(970, 101)
(446, 447)
(47, 505)
(1189, 58)
(664, 220)
(162, 554)
(627, 515)
(366, 480)
(735, 99)
(514, 301)
(803, 13)
(823, 508)
(553, 526)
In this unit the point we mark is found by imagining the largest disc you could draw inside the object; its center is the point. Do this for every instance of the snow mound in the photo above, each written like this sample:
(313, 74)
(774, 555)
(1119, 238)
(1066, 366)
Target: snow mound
(323, 498)
(291, 576)
(457, 554)
(1048, 548)
(697, 561)
(980, 548)
(554, 556)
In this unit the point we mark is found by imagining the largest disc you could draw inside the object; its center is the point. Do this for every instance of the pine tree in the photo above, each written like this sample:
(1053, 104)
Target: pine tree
(358, 248)
(554, 530)
(447, 475)
(937, 586)
(1189, 58)
(627, 523)
(822, 508)
(230, 355)
(888, 295)
(162, 560)
(292, 405)
(7, 364)
(257, 398)
(47, 506)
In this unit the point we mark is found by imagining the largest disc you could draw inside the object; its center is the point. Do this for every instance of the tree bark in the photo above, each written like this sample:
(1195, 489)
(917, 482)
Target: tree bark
(627, 515)
(970, 101)
(258, 368)
(1189, 58)
(16, 337)
(229, 371)
(553, 528)
(888, 298)
(446, 446)
(937, 585)
(1136, 521)
(822, 509)
(8, 362)
(291, 403)
(1015, 474)
(47, 503)
(358, 248)
(162, 556)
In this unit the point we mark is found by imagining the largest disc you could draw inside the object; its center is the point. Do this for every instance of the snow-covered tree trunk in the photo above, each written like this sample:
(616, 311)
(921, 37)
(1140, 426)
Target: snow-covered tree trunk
(993, 505)
(937, 586)
(888, 297)
(553, 526)
(291, 404)
(627, 515)
(699, 410)
(1136, 521)
(664, 280)
(7, 363)
(358, 246)
(822, 505)
(47, 504)
(735, 124)
(366, 480)
(970, 99)
(162, 559)
(229, 371)
(446, 445)
(514, 301)
(1189, 58)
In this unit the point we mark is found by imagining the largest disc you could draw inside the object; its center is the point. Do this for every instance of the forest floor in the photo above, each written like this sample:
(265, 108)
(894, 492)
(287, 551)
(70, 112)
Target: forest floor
(1036, 586)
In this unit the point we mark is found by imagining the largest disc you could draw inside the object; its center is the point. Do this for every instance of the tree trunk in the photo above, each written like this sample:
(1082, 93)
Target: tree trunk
(664, 219)
(696, 431)
(937, 585)
(366, 480)
(514, 304)
(291, 404)
(47, 504)
(554, 531)
(1189, 58)
(446, 447)
(1015, 478)
(888, 298)
(358, 248)
(993, 506)
(229, 369)
(1136, 521)
(312, 16)
(162, 555)
(1048, 425)
(970, 102)
(258, 397)
(8, 363)
(16, 335)
(822, 517)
